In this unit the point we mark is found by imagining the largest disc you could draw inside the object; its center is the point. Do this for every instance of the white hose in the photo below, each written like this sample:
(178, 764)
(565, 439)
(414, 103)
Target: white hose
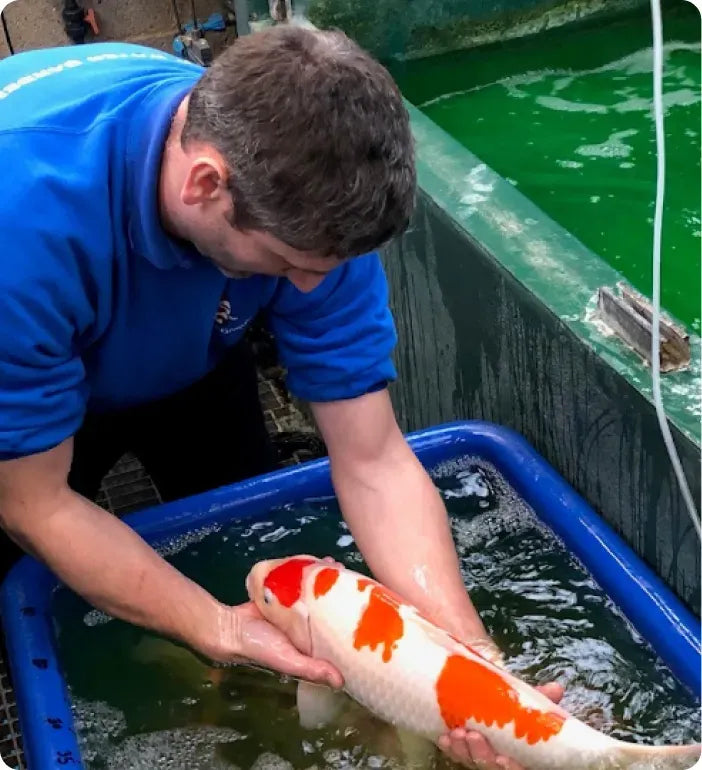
(657, 227)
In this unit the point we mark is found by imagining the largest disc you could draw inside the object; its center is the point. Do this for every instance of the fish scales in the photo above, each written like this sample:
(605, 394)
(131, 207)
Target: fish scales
(416, 676)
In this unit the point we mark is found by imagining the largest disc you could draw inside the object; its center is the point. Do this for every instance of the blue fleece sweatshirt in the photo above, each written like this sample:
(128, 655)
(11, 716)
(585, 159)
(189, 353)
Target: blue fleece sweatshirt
(99, 308)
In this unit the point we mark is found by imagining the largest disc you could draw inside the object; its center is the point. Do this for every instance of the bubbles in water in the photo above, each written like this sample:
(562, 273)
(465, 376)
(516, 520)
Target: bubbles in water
(98, 726)
(271, 762)
(612, 147)
(193, 747)
(181, 542)
(473, 483)
(499, 509)
(96, 618)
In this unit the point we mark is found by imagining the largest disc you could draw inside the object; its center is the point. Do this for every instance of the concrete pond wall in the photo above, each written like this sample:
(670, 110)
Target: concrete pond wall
(410, 28)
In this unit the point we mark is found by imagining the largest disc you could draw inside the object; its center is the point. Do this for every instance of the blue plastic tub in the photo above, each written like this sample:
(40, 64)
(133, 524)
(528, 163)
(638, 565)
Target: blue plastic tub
(42, 697)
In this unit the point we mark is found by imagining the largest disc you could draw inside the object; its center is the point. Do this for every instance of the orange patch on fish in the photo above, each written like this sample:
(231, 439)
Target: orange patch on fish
(363, 583)
(285, 581)
(381, 624)
(392, 597)
(468, 690)
(324, 581)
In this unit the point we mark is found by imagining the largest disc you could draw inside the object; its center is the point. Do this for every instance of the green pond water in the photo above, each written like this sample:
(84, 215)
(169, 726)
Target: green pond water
(567, 116)
(143, 702)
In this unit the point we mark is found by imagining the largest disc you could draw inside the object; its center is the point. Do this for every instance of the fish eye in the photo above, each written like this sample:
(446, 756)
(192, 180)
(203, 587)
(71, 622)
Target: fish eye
(267, 596)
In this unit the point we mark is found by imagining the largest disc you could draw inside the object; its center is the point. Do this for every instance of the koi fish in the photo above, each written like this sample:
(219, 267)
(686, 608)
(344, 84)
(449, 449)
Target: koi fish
(414, 675)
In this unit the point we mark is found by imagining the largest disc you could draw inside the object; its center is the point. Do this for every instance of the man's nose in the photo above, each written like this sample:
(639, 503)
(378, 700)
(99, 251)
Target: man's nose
(304, 280)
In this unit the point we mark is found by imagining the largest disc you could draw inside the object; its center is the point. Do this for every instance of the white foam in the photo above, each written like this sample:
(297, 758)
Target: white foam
(185, 748)
(97, 727)
(270, 761)
(180, 542)
(101, 731)
(612, 147)
(511, 516)
(564, 105)
(96, 618)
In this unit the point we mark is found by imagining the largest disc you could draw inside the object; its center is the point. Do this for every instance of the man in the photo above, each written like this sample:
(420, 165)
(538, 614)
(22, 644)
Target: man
(152, 209)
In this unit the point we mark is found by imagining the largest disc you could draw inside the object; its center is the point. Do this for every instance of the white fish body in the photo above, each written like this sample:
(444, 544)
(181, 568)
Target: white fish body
(414, 675)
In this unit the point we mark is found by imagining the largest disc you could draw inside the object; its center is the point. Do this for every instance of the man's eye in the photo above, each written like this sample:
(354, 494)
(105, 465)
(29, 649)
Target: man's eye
(267, 596)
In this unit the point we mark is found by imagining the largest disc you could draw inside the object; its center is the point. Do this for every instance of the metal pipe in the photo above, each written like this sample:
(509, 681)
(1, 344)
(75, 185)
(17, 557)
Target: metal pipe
(241, 15)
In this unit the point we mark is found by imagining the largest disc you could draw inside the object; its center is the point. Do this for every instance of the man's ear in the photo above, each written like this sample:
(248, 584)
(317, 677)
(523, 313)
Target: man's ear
(205, 181)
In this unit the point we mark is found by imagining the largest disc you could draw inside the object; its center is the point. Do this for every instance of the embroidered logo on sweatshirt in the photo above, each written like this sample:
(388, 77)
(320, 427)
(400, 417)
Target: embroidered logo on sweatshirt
(226, 323)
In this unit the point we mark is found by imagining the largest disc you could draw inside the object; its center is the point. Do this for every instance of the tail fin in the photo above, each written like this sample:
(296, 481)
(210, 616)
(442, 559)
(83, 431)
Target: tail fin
(636, 757)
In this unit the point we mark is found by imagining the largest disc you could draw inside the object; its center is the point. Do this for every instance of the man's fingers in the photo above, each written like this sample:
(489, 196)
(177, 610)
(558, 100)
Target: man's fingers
(505, 763)
(455, 748)
(473, 750)
(266, 645)
(324, 673)
(480, 750)
(466, 749)
(552, 690)
(301, 667)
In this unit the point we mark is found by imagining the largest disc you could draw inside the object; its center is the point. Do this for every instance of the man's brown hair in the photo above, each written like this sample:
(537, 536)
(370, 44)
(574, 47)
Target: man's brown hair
(316, 136)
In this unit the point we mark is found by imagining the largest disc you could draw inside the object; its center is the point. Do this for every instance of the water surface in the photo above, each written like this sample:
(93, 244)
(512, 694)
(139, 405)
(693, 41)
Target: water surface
(567, 116)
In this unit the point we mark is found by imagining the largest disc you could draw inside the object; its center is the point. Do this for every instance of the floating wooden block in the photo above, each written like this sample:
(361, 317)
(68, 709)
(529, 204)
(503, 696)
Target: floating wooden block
(630, 315)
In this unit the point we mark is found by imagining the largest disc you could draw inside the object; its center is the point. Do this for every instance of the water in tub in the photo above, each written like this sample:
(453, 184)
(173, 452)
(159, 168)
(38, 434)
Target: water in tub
(142, 702)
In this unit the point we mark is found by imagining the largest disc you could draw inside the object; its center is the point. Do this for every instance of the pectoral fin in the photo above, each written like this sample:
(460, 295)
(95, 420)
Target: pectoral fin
(317, 704)
(418, 752)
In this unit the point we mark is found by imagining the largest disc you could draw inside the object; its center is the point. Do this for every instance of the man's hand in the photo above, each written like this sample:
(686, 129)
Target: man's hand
(401, 527)
(253, 639)
(395, 512)
(473, 750)
(106, 562)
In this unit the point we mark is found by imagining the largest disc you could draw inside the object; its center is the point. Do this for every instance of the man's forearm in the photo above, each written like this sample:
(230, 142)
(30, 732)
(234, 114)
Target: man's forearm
(399, 522)
(115, 570)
